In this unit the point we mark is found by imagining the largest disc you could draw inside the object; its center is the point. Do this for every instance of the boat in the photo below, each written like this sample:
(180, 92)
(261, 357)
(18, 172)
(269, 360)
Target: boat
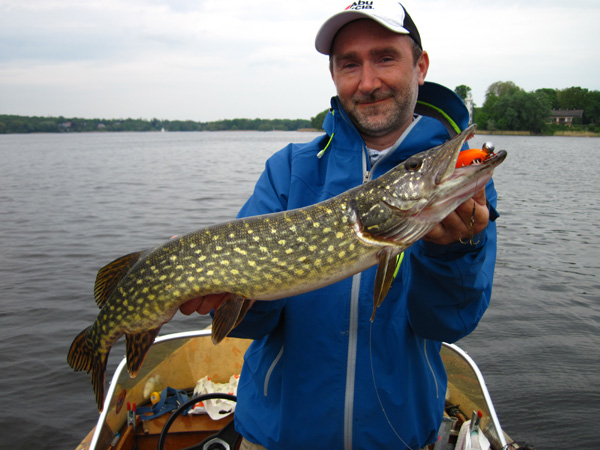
(179, 360)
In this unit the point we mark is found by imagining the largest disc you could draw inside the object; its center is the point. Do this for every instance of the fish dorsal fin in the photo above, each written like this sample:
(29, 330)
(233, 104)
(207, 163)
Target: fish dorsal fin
(384, 277)
(228, 315)
(109, 276)
(137, 346)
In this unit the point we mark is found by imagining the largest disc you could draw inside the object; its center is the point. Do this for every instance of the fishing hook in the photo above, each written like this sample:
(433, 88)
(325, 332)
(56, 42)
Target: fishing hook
(471, 229)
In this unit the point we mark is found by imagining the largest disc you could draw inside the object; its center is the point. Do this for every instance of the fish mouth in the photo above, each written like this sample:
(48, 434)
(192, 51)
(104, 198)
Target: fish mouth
(454, 185)
(462, 184)
(444, 160)
(479, 167)
(448, 177)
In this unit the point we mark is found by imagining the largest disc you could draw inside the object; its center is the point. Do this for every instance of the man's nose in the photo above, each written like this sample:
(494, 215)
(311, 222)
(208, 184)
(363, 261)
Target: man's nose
(369, 79)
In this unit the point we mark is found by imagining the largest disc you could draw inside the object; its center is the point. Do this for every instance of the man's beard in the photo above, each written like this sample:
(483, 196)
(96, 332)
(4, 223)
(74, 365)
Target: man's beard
(380, 120)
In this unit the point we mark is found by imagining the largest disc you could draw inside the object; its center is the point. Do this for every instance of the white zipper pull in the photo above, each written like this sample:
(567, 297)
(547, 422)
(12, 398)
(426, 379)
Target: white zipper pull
(366, 173)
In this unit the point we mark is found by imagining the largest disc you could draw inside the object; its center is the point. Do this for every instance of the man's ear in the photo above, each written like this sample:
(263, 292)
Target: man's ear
(422, 67)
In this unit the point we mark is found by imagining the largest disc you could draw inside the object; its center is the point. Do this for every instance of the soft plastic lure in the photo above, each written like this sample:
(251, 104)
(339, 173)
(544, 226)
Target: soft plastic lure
(475, 155)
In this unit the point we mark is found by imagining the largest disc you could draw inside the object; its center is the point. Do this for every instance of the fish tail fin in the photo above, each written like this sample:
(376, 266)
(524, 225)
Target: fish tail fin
(137, 346)
(98, 376)
(83, 356)
(228, 315)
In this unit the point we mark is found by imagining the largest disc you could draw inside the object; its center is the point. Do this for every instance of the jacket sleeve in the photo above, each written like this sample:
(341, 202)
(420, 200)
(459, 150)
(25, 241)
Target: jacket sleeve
(270, 195)
(450, 285)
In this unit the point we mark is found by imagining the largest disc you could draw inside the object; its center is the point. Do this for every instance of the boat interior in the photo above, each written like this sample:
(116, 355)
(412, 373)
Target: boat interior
(120, 426)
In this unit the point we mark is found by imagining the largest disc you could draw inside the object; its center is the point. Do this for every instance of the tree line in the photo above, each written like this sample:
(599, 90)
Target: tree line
(508, 107)
(35, 124)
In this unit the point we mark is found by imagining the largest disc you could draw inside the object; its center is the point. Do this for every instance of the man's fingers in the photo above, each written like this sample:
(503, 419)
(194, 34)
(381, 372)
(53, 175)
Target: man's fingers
(191, 306)
(469, 218)
(202, 305)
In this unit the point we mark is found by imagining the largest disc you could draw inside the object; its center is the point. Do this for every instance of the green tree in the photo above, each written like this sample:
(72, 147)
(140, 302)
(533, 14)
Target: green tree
(552, 95)
(521, 111)
(487, 116)
(317, 121)
(572, 98)
(500, 88)
(591, 111)
(581, 98)
(462, 91)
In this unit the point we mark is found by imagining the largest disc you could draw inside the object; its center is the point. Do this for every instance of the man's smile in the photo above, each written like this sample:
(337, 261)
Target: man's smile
(372, 102)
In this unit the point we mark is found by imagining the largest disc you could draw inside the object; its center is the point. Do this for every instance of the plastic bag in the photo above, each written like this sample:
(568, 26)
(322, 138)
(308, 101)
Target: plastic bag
(215, 408)
(471, 440)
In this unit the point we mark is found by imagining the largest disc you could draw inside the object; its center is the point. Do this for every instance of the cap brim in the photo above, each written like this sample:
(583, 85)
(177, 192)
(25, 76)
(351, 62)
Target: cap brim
(330, 28)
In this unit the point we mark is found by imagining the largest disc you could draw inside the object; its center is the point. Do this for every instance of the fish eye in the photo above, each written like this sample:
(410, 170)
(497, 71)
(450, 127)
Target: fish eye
(413, 164)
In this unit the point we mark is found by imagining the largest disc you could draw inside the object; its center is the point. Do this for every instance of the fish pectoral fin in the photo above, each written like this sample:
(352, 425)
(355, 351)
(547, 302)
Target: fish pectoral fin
(228, 316)
(137, 346)
(109, 276)
(383, 278)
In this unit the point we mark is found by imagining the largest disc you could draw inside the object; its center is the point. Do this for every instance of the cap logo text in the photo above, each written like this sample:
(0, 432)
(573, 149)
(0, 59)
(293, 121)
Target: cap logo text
(360, 4)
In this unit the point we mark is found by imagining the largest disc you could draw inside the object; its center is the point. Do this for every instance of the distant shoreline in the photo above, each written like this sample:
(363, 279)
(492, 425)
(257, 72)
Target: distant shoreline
(314, 130)
(527, 133)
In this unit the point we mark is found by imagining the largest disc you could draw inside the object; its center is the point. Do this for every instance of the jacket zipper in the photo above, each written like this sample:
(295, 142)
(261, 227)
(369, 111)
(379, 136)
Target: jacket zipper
(351, 364)
(353, 325)
(367, 174)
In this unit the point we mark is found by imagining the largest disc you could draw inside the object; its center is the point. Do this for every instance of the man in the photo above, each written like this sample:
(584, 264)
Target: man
(319, 374)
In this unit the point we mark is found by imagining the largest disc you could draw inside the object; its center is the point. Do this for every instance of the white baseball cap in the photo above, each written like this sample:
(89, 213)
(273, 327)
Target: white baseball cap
(389, 13)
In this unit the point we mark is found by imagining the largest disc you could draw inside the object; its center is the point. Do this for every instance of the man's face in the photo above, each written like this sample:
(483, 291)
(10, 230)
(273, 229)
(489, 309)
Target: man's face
(376, 78)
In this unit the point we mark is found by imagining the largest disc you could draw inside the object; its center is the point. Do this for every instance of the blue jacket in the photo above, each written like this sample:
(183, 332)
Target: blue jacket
(319, 374)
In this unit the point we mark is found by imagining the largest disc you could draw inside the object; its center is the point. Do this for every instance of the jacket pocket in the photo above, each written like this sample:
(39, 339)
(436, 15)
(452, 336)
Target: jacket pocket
(435, 380)
(262, 364)
(270, 371)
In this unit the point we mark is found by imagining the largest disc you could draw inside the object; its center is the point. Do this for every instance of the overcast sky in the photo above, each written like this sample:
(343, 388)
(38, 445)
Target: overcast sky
(221, 59)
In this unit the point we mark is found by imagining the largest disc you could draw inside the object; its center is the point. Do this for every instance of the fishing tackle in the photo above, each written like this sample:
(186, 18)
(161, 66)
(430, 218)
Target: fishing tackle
(471, 230)
(475, 155)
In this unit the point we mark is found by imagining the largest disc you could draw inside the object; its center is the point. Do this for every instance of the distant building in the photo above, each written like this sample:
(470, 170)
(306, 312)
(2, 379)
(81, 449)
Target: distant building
(565, 116)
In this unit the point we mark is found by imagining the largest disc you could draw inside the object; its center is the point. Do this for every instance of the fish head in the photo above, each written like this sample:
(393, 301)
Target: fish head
(404, 204)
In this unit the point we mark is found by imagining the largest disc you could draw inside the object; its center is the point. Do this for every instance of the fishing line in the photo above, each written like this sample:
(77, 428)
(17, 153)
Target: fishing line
(377, 392)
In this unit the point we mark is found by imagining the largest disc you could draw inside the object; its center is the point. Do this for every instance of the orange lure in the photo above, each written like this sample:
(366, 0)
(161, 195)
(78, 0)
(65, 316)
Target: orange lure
(473, 156)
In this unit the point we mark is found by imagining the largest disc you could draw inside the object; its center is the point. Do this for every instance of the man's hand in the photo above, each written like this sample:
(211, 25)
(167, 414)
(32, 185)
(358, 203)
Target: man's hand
(457, 226)
(203, 305)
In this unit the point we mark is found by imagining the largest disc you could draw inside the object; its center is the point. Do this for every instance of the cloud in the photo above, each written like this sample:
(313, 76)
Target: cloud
(214, 59)
(535, 44)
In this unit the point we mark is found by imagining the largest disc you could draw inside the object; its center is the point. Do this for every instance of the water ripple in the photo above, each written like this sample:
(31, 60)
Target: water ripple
(72, 203)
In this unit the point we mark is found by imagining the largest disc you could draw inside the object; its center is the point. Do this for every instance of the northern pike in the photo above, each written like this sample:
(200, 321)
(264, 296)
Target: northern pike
(276, 255)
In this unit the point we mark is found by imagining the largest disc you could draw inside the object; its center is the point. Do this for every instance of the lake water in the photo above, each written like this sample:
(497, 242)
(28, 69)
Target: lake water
(70, 203)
